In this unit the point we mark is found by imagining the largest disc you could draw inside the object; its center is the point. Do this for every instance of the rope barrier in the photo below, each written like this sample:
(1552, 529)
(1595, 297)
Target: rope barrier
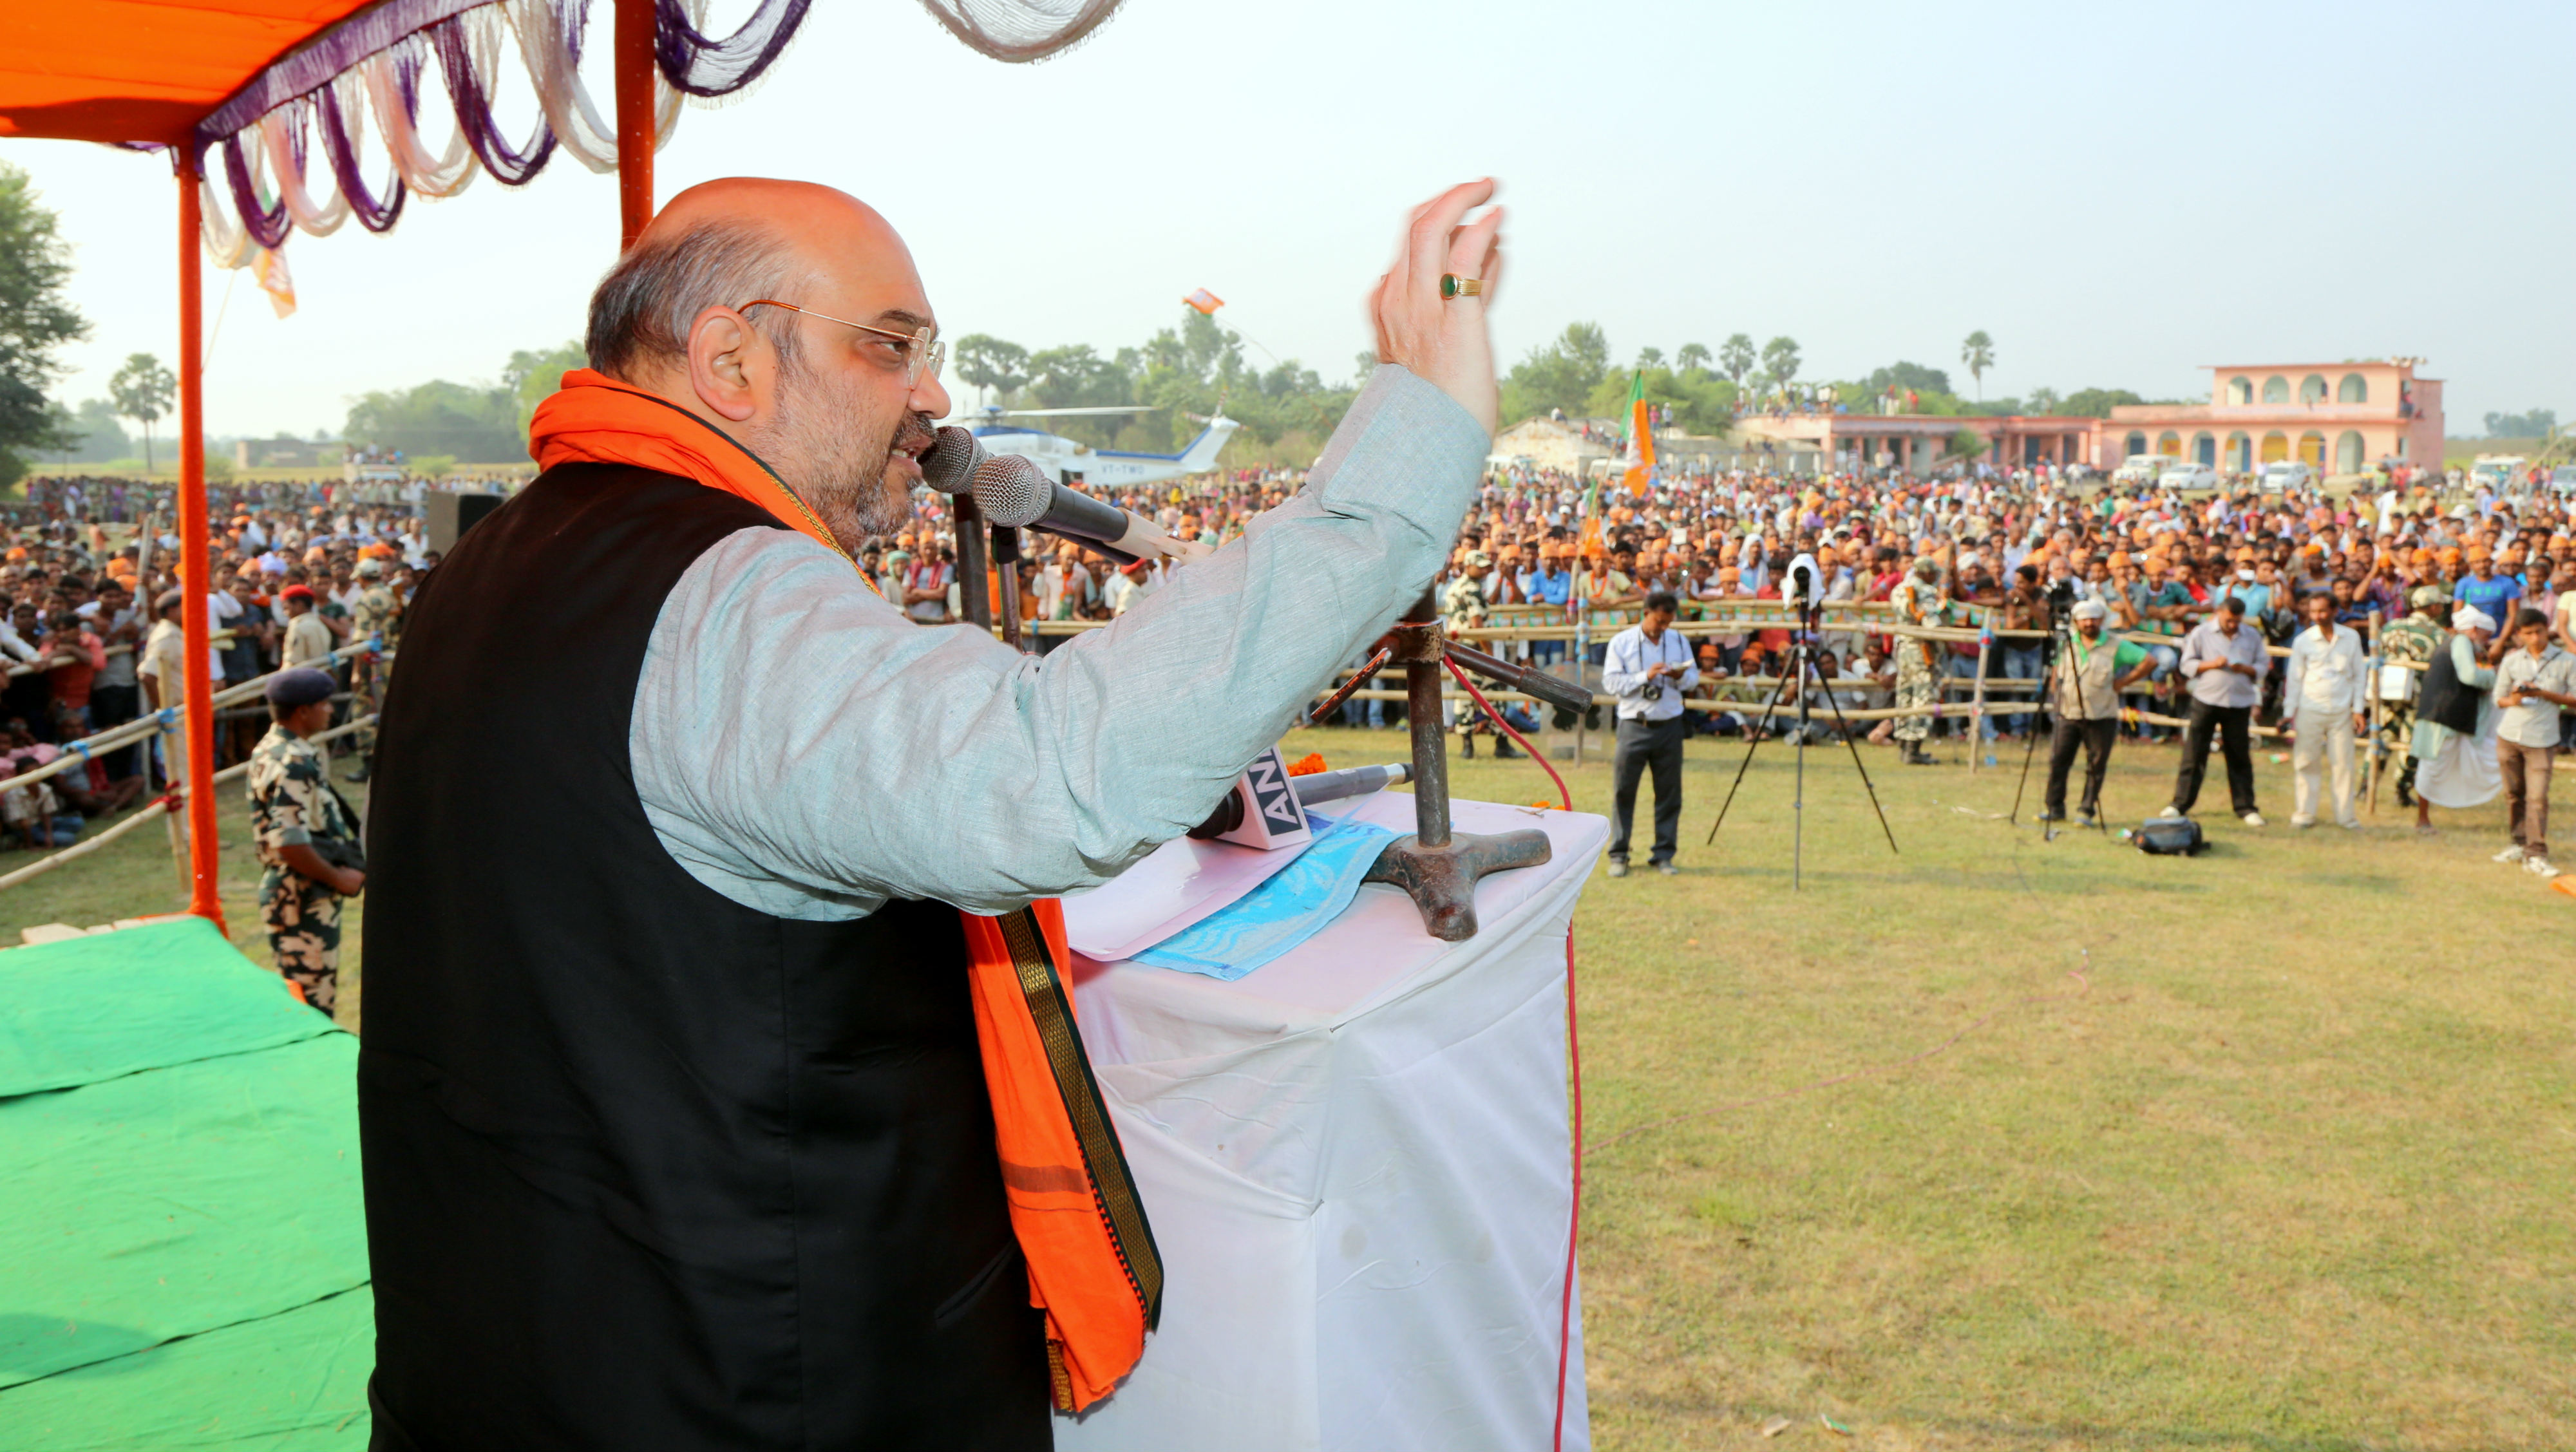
(167, 802)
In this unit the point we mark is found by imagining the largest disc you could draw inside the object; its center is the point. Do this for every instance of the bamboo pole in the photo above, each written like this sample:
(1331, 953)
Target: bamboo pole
(1977, 694)
(2370, 678)
(168, 811)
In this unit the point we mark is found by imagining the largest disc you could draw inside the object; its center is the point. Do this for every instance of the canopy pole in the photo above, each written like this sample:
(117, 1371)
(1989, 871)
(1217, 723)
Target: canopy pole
(635, 67)
(197, 724)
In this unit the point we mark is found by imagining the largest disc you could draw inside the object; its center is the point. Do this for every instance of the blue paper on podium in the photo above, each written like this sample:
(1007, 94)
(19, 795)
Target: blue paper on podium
(1289, 907)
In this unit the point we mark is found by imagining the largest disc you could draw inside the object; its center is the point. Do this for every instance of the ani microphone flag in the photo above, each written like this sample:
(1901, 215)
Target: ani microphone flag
(1640, 461)
(1205, 301)
(270, 269)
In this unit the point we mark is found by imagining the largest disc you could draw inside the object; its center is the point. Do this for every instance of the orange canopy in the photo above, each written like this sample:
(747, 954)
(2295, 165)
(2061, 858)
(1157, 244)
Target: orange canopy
(172, 64)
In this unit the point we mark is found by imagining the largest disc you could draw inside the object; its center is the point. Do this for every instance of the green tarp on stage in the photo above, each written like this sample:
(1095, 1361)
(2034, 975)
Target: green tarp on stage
(183, 1258)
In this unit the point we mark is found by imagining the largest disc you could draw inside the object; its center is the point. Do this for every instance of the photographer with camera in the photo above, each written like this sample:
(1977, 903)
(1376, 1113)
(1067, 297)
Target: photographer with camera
(1648, 668)
(2085, 682)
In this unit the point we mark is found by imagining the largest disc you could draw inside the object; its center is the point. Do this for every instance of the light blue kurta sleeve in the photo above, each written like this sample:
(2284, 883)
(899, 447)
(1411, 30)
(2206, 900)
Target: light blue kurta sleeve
(803, 749)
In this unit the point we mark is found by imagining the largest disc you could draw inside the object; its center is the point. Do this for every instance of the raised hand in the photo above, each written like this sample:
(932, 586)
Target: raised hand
(1444, 341)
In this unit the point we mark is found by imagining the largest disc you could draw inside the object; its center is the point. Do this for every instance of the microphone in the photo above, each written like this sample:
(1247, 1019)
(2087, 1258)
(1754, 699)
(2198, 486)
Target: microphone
(1013, 493)
(1254, 803)
(948, 465)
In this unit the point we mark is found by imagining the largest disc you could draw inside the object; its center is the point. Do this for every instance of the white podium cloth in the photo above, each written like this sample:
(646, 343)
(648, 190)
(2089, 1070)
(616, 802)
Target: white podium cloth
(1357, 1164)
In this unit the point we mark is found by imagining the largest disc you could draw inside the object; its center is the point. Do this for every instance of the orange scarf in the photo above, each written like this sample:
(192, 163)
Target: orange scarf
(1093, 1267)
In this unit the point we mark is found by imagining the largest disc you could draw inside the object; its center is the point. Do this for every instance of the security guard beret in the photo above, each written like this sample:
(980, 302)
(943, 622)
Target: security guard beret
(301, 686)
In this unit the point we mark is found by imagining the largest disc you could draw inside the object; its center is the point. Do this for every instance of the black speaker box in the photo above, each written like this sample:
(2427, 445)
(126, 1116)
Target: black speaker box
(453, 513)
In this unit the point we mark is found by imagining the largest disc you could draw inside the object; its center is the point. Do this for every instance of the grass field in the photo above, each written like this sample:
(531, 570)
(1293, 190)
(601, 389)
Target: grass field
(1997, 1144)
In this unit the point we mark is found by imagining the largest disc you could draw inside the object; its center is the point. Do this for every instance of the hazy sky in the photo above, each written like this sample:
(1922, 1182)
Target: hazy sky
(2117, 195)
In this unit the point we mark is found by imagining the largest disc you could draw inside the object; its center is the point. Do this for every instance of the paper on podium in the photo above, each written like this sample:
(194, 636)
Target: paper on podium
(1176, 885)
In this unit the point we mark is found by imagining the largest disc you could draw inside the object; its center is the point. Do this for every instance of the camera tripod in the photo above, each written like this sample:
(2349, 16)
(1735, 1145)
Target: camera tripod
(2051, 652)
(1802, 664)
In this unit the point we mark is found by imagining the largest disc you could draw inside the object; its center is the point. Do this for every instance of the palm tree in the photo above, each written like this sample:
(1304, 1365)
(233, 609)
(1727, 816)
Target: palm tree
(142, 390)
(1692, 355)
(1977, 355)
(1735, 357)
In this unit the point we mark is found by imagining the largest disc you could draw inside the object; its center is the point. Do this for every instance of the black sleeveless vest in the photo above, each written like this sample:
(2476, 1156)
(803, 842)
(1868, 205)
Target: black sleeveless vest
(2446, 700)
(646, 1168)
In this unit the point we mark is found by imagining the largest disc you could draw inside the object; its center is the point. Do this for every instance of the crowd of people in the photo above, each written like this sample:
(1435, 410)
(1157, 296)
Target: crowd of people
(91, 633)
(2449, 608)
(2003, 560)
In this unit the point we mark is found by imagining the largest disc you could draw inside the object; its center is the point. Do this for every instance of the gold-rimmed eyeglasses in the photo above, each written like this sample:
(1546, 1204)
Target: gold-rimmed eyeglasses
(922, 355)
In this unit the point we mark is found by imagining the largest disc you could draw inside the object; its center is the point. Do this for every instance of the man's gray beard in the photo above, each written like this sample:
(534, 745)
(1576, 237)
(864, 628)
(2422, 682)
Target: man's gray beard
(839, 471)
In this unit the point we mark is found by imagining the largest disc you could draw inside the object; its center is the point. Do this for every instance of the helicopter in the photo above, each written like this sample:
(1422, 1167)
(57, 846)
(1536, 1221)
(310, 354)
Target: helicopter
(1069, 462)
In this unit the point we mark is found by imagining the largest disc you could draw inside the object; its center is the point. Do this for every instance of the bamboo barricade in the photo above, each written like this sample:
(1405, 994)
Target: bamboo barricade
(165, 805)
(1977, 695)
(148, 725)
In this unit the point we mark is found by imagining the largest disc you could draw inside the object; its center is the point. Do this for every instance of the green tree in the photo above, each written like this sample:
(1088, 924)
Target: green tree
(477, 425)
(1077, 377)
(1650, 357)
(1903, 376)
(1693, 357)
(2042, 400)
(533, 376)
(35, 322)
(1967, 443)
(1735, 358)
(2096, 402)
(1564, 374)
(1977, 354)
(1780, 360)
(143, 390)
(2536, 423)
(992, 365)
(90, 434)
(1697, 402)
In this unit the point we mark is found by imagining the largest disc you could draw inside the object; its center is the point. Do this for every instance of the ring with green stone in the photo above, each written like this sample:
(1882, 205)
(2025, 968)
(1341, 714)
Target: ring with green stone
(1453, 287)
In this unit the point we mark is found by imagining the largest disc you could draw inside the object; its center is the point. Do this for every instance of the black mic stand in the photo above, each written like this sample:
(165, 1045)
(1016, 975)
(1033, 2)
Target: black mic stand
(1436, 867)
(1006, 554)
(972, 596)
(1802, 664)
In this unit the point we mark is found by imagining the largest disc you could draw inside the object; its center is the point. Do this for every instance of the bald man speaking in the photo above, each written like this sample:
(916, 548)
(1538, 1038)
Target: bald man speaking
(719, 1086)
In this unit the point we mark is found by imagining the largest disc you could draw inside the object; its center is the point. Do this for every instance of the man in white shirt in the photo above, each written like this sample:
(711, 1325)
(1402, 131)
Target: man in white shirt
(162, 667)
(1648, 668)
(2533, 684)
(2321, 699)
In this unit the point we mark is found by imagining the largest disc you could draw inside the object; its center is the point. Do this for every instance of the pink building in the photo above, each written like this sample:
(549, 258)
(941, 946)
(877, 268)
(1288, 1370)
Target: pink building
(2335, 417)
(2339, 418)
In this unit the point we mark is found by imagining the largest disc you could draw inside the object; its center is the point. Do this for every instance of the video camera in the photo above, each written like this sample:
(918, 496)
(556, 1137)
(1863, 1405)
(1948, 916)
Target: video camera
(2061, 598)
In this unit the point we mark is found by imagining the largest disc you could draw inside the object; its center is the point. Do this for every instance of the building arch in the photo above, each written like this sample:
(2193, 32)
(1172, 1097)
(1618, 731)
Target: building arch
(2353, 389)
(2240, 390)
(2312, 450)
(2347, 452)
(2276, 389)
(2169, 444)
(2276, 447)
(2312, 389)
(2135, 444)
(2240, 453)
(2204, 448)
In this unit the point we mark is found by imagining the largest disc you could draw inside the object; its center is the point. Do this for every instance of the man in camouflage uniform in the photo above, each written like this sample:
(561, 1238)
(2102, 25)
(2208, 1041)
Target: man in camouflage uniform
(1919, 601)
(372, 616)
(2412, 640)
(298, 819)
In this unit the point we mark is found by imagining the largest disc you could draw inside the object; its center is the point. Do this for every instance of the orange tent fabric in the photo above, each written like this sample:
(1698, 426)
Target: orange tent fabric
(173, 62)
